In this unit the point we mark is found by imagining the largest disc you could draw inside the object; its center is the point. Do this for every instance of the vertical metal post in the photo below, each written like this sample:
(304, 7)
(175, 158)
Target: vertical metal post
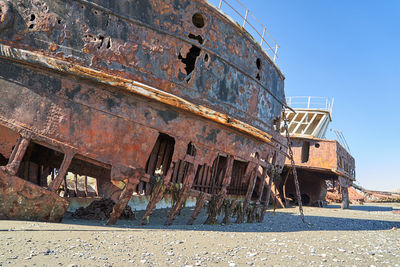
(245, 17)
(308, 104)
(262, 37)
(220, 4)
(276, 51)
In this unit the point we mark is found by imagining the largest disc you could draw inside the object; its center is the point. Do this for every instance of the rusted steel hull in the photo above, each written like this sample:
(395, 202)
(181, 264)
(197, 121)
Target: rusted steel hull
(322, 165)
(112, 95)
(20, 199)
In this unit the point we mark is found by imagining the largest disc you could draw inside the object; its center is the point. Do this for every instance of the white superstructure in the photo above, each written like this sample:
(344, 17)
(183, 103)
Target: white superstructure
(312, 117)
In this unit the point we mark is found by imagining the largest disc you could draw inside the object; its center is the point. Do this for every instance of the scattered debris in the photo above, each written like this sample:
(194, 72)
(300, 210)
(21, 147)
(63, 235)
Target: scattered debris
(100, 210)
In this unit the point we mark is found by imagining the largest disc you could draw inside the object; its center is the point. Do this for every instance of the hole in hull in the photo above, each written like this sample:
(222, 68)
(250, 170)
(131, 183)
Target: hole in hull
(198, 20)
(190, 60)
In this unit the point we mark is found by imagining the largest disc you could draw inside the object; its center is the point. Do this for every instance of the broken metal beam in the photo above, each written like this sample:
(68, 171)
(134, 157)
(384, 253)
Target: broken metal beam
(201, 199)
(17, 156)
(157, 194)
(62, 171)
(183, 193)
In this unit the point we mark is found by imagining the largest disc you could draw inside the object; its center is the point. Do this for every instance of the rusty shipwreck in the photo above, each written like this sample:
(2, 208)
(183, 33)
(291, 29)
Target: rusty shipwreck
(142, 96)
(322, 165)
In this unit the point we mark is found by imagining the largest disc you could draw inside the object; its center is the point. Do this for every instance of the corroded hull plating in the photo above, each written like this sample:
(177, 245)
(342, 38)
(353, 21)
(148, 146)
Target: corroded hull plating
(128, 91)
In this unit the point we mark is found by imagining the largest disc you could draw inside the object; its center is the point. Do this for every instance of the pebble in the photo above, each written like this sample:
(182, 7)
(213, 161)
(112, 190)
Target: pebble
(330, 238)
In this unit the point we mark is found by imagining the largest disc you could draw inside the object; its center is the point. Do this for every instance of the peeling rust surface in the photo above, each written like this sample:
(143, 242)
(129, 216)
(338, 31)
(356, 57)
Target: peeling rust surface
(117, 88)
(141, 41)
(20, 199)
(326, 160)
(324, 155)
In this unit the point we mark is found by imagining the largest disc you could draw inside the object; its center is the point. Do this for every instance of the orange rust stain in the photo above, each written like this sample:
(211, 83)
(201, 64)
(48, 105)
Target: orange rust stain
(53, 47)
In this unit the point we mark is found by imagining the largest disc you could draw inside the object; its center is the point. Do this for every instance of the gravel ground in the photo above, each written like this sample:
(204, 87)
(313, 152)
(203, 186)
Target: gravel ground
(362, 236)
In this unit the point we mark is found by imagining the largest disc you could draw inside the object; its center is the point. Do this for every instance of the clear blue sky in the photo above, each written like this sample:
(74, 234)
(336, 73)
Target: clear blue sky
(349, 50)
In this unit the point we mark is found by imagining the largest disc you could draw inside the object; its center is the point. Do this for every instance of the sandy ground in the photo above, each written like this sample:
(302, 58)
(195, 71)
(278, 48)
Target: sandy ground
(363, 236)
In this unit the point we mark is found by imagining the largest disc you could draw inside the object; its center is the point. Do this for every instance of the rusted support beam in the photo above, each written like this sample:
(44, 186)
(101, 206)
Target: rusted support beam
(228, 211)
(65, 187)
(85, 186)
(219, 201)
(126, 194)
(62, 171)
(157, 194)
(44, 172)
(257, 204)
(345, 198)
(269, 181)
(15, 149)
(201, 200)
(140, 188)
(276, 196)
(119, 207)
(284, 188)
(183, 194)
(97, 187)
(76, 184)
(250, 189)
(214, 175)
(16, 156)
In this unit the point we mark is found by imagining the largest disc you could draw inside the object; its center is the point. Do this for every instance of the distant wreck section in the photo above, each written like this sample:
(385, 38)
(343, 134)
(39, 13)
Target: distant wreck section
(142, 99)
(323, 166)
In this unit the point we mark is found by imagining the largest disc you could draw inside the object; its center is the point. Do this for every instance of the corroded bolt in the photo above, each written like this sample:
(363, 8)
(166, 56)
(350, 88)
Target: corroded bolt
(6, 15)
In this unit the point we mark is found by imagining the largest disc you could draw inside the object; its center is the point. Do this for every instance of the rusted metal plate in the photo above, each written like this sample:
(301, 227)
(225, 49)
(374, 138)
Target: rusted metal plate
(322, 155)
(22, 200)
(141, 41)
(103, 80)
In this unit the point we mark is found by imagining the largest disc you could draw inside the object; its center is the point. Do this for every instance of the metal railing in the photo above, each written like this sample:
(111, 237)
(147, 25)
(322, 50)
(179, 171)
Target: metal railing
(310, 102)
(270, 50)
(341, 139)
